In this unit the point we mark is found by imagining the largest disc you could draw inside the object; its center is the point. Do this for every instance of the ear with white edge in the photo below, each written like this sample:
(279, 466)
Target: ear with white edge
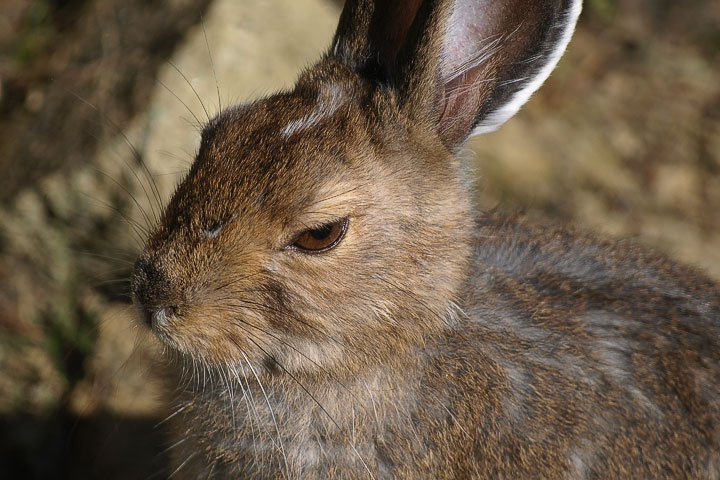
(466, 66)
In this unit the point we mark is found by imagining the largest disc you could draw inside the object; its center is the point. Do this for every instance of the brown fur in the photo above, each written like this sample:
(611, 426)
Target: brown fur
(433, 341)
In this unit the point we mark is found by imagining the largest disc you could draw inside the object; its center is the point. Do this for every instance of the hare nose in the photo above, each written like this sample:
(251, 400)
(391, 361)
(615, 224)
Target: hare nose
(152, 292)
(153, 315)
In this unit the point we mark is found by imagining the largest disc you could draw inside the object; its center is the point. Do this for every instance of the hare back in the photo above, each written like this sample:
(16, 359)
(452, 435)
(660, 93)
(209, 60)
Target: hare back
(609, 355)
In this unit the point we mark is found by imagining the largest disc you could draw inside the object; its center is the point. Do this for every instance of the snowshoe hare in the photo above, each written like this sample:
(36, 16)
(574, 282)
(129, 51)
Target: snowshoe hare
(334, 306)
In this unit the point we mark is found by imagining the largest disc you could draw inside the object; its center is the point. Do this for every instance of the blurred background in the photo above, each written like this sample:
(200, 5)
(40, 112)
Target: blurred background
(100, 103)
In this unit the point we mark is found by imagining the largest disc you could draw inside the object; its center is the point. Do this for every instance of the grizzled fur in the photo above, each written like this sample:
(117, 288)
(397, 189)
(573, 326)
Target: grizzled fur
(433, 341)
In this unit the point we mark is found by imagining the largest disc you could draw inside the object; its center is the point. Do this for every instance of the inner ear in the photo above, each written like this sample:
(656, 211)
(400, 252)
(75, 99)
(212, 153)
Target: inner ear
(495, 55)
(389, 26)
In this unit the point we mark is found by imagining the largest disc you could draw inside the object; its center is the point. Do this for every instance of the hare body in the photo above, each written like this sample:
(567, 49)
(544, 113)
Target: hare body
(551, 372)
(335, 307)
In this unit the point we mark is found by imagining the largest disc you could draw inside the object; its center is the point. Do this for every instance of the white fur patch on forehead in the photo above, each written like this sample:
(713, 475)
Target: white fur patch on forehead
(213, 232)
(331, 98)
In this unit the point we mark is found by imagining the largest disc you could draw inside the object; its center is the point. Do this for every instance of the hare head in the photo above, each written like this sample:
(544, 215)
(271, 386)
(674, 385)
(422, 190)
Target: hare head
(331, 226)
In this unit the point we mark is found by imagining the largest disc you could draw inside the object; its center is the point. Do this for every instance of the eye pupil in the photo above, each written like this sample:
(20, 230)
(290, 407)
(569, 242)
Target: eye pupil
(320, 239)
(321, 233)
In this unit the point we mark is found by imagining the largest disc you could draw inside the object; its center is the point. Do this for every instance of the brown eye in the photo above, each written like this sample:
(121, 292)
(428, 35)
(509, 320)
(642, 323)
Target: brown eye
(321, 239)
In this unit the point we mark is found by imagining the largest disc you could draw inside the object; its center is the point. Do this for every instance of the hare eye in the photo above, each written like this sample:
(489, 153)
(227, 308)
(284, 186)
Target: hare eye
(320, 239)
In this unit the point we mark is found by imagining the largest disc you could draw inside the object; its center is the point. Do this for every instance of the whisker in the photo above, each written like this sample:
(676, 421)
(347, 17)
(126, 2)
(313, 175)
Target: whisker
(169, 417)
(320, 406)
(232, 400)
(247, 395)
(207, 114)
(272, 412)
(212, 63)
(137, 229)
(325, 199)
(104, 257)
(181, 465)
(244, 302)
(174, 445)
(212, 468)
(198, 123)
(320, 367)
(135, 154)
(232, 282)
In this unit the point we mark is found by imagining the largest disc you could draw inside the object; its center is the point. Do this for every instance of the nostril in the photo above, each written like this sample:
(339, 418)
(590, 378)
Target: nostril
(146, 314)
(155, 316)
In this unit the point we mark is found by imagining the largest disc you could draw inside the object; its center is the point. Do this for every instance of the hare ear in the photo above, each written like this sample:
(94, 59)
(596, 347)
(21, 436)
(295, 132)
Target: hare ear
(466, 66)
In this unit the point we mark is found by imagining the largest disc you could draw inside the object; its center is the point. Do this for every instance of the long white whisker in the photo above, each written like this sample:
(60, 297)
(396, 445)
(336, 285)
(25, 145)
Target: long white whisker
(272, 412)
(181, 465)
(169, 417)
(176, 444)
(324, 410)
(253, 410)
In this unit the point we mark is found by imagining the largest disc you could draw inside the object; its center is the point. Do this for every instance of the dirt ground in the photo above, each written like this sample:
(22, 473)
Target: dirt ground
(623, 139)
